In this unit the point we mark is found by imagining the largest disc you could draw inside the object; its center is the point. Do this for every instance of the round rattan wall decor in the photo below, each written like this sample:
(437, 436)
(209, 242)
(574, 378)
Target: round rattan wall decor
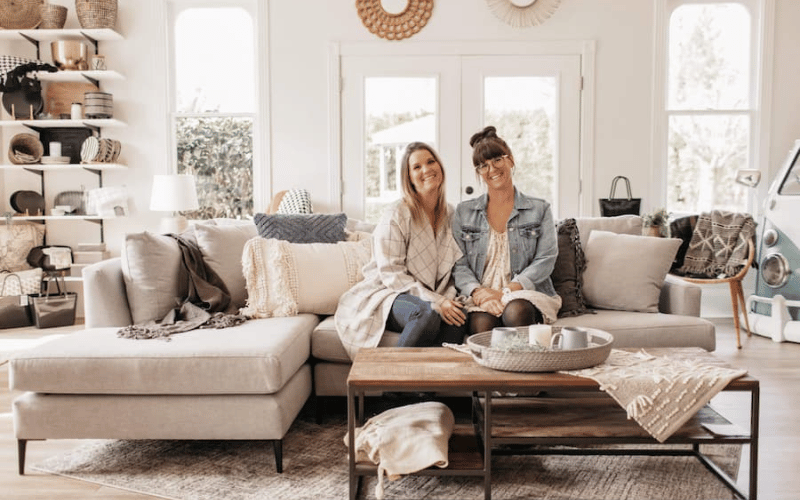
(20, 14)
(523, 13)
(394, 26)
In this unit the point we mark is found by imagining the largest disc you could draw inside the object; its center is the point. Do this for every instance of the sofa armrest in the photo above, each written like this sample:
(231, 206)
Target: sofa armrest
(105, 300)
(680, 297)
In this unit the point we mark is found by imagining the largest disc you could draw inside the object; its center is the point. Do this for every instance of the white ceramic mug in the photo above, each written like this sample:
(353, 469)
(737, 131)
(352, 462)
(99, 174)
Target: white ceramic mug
(571, 337)
(504, 337)
(540, 335)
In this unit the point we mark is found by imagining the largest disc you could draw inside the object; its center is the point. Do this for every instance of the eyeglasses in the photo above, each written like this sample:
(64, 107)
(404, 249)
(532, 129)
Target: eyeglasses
(495, 162)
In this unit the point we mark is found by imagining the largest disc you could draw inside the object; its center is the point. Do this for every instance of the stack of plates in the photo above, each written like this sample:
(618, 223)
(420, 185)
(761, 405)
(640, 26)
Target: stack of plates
(54, 160)
(95, 150)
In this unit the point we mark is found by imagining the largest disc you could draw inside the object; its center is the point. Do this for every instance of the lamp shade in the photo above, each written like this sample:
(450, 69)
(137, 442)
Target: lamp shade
(173, 193)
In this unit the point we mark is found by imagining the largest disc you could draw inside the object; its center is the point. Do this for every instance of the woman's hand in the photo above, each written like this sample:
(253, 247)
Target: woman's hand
(452, 313)
(482, 295)
(493, 306)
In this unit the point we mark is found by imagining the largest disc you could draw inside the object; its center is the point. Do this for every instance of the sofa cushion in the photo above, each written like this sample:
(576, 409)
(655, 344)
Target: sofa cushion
(222, 246)
(326, 345)
(621, 224)
(286, 278)
(567, 274)
(154, 278)
(626, 272)
(639, 329)
(302, 228)
(256, 357)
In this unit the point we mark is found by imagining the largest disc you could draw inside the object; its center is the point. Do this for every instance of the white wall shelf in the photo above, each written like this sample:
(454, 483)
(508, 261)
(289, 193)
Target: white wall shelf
(78, 76)
(69, 166)
(86, 122)
(44, 35)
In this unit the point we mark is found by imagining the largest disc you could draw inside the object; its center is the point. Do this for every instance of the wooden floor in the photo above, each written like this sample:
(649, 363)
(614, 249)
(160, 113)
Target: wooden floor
(777, 366)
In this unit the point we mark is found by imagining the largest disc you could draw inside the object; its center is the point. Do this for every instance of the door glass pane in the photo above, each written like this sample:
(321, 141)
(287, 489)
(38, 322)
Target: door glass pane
(704, 154)
(398, 111)
(219, 152)
(709, 57)
(523, 109)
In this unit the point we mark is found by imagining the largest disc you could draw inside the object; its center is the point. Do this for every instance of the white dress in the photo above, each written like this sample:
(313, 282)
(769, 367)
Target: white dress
(497, 275)
(406, 258)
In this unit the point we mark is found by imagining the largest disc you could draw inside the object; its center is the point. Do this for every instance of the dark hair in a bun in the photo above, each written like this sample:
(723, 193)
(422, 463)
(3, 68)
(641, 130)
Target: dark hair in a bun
(486, 145)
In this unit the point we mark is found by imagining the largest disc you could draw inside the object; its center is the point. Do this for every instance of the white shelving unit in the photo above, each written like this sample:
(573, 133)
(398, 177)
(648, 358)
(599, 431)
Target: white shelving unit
(37, 37)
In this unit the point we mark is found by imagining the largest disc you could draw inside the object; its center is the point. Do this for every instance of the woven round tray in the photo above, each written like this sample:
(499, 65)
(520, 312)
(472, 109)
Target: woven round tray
(549, 360)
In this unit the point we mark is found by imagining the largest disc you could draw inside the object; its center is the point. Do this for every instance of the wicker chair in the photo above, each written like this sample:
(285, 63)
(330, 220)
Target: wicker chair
(737, 293)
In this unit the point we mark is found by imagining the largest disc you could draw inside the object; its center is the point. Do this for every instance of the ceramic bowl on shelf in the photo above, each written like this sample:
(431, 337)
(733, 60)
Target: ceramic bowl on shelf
(54, 160)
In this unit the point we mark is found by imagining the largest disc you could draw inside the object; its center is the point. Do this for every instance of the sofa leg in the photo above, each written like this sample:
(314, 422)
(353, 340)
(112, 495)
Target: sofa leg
(21, 443)
(277, 446)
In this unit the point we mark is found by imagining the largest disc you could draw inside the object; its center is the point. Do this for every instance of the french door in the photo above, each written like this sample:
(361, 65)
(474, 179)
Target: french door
(389, 101)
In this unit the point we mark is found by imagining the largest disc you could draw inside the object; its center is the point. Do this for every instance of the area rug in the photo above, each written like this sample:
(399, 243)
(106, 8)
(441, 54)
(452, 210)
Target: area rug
(315, 467)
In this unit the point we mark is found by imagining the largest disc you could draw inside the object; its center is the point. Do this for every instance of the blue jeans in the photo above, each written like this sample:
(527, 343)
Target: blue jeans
(420, 325)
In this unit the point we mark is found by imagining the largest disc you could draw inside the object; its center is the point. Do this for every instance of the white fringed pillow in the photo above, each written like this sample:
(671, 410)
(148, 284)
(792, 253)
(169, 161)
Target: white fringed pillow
(285, 279)
(626, 272)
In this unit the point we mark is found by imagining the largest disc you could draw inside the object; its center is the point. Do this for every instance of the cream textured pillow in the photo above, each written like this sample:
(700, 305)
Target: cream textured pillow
(222, 246)
(154, 278)
(284, 279)
(626, 272)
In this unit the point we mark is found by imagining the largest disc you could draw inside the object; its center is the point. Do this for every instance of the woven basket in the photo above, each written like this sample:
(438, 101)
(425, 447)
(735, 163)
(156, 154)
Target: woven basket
(549, 360)
(53, 17)
(25, 149)
(20, 14)
(96, 13)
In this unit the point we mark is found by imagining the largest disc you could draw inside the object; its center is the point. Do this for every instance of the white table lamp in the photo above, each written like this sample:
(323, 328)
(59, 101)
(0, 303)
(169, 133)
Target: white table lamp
(173, 193)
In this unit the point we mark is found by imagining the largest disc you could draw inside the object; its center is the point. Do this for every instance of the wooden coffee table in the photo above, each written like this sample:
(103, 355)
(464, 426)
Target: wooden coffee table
(586, 416)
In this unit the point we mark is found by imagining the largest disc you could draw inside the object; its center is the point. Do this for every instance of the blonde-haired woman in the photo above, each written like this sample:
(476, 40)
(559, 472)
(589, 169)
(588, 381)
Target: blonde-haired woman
(509, 246)
(408, 285)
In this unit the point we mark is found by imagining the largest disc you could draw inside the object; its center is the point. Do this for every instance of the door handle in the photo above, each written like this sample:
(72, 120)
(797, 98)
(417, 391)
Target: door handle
(468, 190)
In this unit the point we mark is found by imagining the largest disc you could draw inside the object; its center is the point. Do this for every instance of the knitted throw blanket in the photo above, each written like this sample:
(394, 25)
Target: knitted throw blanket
(719, 244)
(661, 392)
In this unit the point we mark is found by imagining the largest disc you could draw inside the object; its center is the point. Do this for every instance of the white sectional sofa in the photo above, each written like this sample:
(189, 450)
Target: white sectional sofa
(249, 381)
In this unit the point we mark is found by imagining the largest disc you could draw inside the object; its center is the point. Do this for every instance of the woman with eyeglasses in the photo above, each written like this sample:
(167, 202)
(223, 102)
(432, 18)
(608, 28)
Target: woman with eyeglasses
(509, 245)
(408, 285)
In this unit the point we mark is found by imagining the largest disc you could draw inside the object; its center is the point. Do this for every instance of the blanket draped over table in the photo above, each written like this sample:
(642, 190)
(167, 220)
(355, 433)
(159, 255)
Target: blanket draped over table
(661, 392)
(719, 244)
(205, 305)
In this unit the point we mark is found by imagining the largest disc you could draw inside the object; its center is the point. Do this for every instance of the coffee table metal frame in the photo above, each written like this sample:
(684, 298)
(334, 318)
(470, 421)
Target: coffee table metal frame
(446, 370)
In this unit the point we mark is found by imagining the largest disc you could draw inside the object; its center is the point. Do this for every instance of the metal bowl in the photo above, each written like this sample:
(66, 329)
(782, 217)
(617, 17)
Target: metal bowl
(70, 55)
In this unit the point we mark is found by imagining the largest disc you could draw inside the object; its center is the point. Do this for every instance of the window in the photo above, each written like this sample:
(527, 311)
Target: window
(710, 113)
(214, 103)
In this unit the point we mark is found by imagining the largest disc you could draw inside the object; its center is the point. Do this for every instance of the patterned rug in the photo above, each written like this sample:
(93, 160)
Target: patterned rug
(315, 467)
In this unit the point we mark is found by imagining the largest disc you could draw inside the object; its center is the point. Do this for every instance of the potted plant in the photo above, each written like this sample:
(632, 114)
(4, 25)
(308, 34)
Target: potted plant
(657, 223)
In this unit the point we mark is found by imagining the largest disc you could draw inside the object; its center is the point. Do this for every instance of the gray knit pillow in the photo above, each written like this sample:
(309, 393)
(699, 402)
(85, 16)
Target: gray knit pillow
(302, 228)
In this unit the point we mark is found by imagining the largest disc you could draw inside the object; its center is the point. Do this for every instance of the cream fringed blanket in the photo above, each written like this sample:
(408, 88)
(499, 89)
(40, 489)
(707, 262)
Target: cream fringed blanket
(661, 392)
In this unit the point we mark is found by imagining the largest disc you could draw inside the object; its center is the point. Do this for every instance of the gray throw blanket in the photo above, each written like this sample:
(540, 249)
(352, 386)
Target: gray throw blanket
(719, 244)
(207, 304)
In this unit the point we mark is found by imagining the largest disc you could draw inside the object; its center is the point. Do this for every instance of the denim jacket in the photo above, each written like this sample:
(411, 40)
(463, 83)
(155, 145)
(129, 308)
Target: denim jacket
(532, 243)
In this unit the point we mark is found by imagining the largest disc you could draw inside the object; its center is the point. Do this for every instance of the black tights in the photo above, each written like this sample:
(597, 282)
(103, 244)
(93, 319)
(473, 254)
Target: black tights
(518, 312)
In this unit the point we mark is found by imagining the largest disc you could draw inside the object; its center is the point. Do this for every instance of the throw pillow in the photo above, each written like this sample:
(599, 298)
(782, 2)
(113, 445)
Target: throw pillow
(568, 271)
(621, 224)
(154, 278)
(295, 201)
(302, 228)
(284, 279)
(626, 272)
(16, 242)
(222, 247)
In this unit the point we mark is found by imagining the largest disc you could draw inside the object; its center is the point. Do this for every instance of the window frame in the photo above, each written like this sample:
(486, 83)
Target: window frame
(261, 145)
(762, 14)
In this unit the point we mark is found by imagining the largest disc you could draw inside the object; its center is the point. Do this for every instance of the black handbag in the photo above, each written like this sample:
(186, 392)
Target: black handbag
(50, 310)
(15, 310)
(611, 207)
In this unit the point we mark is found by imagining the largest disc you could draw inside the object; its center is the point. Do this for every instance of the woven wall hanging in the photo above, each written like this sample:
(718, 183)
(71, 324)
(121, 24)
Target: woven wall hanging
(523, 13)
(394, 26)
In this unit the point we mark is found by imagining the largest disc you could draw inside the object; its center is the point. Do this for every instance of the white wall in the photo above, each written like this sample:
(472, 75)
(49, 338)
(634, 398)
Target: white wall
(299, 37)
